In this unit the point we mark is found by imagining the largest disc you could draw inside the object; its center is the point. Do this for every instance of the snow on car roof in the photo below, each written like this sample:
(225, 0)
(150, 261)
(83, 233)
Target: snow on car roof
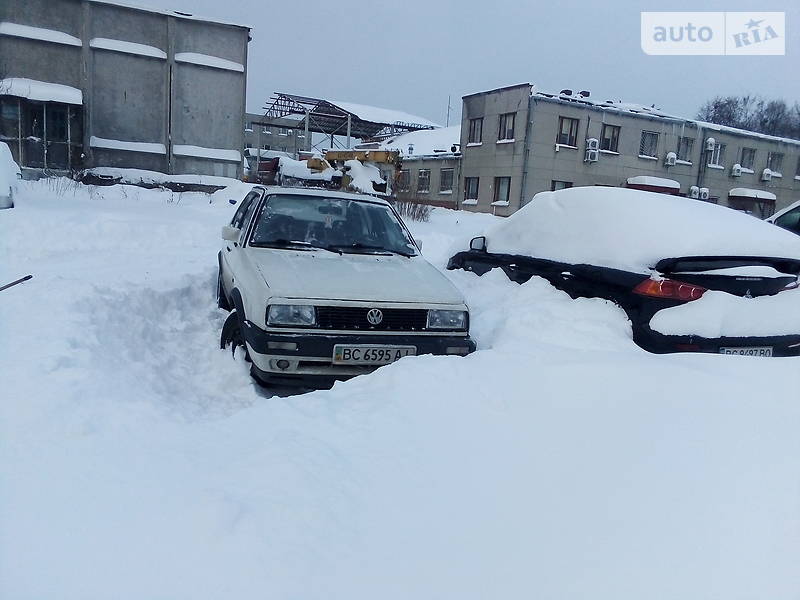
(632, 229)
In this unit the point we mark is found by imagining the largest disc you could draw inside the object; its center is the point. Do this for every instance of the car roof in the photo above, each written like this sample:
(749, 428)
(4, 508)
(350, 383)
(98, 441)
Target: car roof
(273, 189)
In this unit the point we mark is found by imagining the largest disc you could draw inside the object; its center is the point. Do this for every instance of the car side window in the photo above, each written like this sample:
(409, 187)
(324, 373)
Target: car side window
(790, 221)
(248, 214)
(241, 212)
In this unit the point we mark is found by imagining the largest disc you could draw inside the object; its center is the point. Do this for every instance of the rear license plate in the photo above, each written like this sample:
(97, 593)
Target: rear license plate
(366, 354)
(751, 351)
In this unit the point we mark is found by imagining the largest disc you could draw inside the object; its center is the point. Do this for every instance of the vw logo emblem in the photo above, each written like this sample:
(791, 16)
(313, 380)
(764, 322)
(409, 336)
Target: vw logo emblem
(375, 316)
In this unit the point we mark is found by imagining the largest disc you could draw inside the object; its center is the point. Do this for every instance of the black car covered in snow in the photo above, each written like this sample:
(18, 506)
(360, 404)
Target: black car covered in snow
(691, 276)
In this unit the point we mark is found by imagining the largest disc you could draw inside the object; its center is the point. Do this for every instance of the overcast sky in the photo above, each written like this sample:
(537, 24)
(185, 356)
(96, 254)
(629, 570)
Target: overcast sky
(410, 54)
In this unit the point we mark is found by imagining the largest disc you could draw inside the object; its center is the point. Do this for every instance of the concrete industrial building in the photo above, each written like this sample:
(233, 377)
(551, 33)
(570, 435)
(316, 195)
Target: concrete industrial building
(100, 83)
(516, 142)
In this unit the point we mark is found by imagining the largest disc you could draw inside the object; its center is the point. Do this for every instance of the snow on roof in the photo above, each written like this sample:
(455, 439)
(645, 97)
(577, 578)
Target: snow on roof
(207, 60)
(750, 193)
(127, 47)
(261, 153)
(382, 115)
(170, 13)
(654, 182)
(147, 147)
(298, 169)
(632, 230)
(652, 111)
(39, 33)
(43, 91)
(362, 176)
(201, 152)
(137, 176)
(425, 142)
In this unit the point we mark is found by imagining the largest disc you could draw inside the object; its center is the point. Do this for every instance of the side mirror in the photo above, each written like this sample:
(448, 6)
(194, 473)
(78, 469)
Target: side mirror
(478, 243)
(230, 233)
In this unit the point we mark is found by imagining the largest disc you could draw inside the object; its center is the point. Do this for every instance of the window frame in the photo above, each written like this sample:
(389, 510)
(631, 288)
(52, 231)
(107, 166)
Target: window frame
(717, 157)
(770, 161)
(503, 126)
(404, 180)
(467, 181)
(571, 135)
(427, 178)
(496, 191)
(684, 148)
(753, 153)
(646, 133)
(613, 140)
(554, 187)
(451, 172)
(475, 124)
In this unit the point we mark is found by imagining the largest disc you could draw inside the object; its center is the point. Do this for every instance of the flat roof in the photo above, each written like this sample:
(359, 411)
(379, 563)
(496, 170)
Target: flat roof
(171, 13)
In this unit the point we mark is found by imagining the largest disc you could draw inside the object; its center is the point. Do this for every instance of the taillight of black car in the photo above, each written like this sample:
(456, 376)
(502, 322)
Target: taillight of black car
(669, 289)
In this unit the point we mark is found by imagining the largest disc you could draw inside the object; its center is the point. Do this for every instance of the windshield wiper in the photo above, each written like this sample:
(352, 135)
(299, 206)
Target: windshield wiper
(284, 243)
(360, 246)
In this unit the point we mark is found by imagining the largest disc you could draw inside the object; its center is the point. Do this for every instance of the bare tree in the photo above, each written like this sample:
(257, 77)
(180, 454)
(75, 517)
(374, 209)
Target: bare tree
(773, 117)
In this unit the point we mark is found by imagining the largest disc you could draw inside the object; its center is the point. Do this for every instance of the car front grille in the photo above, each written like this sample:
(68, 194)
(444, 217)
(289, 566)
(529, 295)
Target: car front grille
(351, 318)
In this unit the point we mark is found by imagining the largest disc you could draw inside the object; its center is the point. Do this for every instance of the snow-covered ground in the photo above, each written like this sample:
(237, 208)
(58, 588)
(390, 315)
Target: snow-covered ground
(559, 461)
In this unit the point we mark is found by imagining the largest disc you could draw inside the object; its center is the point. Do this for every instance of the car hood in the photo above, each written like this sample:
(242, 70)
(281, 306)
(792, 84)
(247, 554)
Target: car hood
(357, 277)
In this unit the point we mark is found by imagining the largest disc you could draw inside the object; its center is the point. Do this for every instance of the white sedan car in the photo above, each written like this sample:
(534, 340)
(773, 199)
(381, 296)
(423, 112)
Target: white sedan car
(328, 285)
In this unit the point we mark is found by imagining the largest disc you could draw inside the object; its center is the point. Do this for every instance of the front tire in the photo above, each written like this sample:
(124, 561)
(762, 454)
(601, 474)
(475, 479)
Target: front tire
(232, 335)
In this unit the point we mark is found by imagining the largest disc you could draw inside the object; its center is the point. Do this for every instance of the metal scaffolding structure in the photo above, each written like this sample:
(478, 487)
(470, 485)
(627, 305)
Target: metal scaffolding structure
(325, 117)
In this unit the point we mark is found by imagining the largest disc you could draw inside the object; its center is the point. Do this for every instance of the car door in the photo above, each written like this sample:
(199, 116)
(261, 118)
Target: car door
(231, 251)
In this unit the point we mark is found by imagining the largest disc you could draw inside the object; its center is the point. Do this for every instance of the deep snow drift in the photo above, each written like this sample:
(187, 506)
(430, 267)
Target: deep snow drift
(559, 461)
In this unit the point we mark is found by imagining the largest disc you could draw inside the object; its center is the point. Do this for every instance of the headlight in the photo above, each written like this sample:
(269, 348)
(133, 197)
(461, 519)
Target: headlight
(447, 319)
(291, 314)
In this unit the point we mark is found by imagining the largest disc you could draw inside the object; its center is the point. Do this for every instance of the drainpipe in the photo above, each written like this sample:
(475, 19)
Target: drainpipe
(526, 145)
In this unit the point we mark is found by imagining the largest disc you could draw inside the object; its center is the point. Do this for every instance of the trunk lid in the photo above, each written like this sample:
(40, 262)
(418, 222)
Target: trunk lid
(738, 275)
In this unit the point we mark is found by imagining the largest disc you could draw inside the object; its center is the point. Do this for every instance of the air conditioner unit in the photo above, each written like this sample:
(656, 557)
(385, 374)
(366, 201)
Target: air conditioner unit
(670, 159)
(703, 194)
(593, 144)
(736, 170)
(591, 156)
(711, 143)
(694, 192)
(766, 175)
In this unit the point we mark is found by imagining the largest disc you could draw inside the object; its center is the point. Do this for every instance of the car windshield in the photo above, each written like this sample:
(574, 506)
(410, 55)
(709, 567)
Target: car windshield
(338, 224)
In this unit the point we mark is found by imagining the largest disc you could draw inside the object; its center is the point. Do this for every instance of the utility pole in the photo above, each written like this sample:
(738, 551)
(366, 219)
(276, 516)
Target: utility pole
(448, 111)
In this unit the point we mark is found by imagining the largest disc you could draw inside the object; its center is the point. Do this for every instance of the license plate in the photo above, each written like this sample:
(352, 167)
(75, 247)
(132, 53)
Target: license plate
(366, 354)
(751, 351)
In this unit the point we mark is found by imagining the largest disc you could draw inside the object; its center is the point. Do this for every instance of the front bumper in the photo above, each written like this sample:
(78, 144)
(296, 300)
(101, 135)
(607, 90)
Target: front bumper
(310, 355)
(659, 343)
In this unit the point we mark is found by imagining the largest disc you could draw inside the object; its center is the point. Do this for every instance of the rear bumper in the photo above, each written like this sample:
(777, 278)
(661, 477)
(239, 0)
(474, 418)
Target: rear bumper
(652, 341)
(310, 355)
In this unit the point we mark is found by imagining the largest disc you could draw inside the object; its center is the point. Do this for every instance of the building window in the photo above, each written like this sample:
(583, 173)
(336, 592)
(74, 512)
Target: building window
(265, 129)
(248, 145)
(283, 131)
(471, 188)
(748, 158)
(775, 162)
(446, 180)
(301, 133)
(506, 131)
(248, 126)
(265, 146)
(609, 138)
(559, 185)
(502, 188)
(685, 146)
(476, 131)
(404, 181)
(648, 144)
(717, 158)
(424, 181)
(567, 132)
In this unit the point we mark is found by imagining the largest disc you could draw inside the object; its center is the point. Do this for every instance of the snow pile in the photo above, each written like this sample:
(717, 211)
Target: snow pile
(553, 463)
(718, 314)
(141, 176)
(632, 230)
(40, 90)
(147, 147)
(39, 33)
(210, 153)
(362, 176)
(207, 60)
(298, 169)
(127, 47)
(427, 142)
